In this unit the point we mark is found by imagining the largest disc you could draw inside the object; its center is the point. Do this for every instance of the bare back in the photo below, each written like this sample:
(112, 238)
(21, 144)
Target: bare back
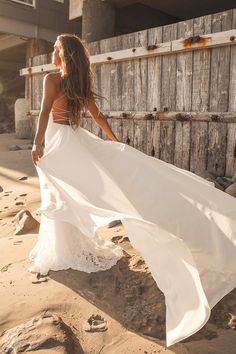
(59, 109)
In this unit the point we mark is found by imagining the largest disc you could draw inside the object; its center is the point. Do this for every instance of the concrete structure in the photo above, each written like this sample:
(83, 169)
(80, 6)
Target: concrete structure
(27, 28)
(107, 18)
(23, 127)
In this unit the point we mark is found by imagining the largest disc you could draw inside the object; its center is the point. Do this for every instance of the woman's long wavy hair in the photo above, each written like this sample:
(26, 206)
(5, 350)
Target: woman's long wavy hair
(77, 79)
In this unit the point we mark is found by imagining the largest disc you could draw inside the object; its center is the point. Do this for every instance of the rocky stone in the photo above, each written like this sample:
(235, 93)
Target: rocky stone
(224, 181)
(46, 331)
(231, 190)
(22, 178)
(14, 147)
(234, 178)
(232, 321)
(114, 223)
(24, 222)
(96, 323)
(217, 185)
(26, 147)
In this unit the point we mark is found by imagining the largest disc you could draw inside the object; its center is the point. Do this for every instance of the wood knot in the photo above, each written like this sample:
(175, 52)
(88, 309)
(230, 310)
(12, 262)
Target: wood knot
(109, 58)
(232, 38)
(134, 50)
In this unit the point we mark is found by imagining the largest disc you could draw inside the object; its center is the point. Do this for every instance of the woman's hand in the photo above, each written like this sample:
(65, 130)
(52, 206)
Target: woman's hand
(37, 152)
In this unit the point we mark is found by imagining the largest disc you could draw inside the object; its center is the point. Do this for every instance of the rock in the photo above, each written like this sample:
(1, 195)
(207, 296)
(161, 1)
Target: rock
(224, 181)
(96, 324)
(14, 147)
(19, 203)
(232, 321)
(234, 178)
(113, 223)
(206, 174)
(231, 190)
(22, 178)
(26, 147)
(40, 333)
(24, 222)
(217, 185)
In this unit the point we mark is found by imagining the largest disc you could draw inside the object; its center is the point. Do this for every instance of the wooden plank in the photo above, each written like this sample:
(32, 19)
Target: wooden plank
(224, 117)
(184, 70)
(96, 129)
(149, 142)
(182, 144)
(168, 72)
(232, 76)
(140, 74)
(217, 143)
(210, 40)
(86, 123)
(128, 131)
(127, 102)
(140, 135)
(231, 146)
(116, 76)
(105, 88)
(117, 127)
(131, 53)
(220, 65)
(154, 72)
(198, 147)
(201, 67)
(94, 48)
(167, 141)
(153, 138)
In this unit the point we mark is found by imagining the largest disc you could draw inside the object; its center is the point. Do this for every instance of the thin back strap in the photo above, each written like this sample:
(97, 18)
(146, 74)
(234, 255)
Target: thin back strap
(58, 98)
(60, 109)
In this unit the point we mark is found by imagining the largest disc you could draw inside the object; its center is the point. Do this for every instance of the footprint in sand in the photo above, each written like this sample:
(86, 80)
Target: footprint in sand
(19, 203)
(23, 195)
(5, 268)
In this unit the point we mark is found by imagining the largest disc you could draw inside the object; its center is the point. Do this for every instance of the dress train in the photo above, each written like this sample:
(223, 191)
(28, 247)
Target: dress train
(183, 226)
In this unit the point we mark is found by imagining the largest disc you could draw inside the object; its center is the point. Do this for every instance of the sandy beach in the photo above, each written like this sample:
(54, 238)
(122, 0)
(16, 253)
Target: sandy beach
(125, 296)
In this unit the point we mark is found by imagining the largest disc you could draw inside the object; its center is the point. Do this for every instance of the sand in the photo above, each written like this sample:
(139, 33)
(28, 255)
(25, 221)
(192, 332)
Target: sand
(135, 320)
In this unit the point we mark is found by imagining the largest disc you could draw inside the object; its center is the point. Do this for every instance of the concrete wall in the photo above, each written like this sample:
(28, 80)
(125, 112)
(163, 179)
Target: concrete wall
(45, 21)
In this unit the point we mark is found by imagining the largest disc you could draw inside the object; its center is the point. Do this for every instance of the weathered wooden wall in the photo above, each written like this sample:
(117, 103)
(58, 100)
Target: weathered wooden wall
(195, 81)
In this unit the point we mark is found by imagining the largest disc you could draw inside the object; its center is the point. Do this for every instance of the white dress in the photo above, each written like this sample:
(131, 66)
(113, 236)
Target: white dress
(183, 226)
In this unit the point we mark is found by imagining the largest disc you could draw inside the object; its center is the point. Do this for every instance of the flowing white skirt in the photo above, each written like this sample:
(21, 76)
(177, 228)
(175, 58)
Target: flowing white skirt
(183, 226)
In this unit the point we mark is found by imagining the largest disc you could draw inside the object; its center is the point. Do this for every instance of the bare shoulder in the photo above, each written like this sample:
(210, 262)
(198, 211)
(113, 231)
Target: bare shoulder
(52, 81)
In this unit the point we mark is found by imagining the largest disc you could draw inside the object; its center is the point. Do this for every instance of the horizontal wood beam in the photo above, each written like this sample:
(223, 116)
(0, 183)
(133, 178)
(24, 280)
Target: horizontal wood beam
(227, 117)
(211, 40)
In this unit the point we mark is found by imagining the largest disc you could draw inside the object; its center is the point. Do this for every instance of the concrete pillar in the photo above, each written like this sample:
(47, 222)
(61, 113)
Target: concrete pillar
(22, 121)
(98, 20)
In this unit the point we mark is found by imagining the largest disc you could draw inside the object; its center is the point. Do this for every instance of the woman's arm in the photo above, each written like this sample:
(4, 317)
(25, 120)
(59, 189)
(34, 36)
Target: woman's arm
(100, 119)
(49, 93)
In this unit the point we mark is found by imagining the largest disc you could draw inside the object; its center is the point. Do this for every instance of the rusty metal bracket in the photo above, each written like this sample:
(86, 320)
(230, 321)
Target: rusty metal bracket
(152, 47)
(194, 39)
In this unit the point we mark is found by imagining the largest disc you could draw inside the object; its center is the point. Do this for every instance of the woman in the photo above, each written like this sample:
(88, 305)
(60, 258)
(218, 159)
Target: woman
(183, 226)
